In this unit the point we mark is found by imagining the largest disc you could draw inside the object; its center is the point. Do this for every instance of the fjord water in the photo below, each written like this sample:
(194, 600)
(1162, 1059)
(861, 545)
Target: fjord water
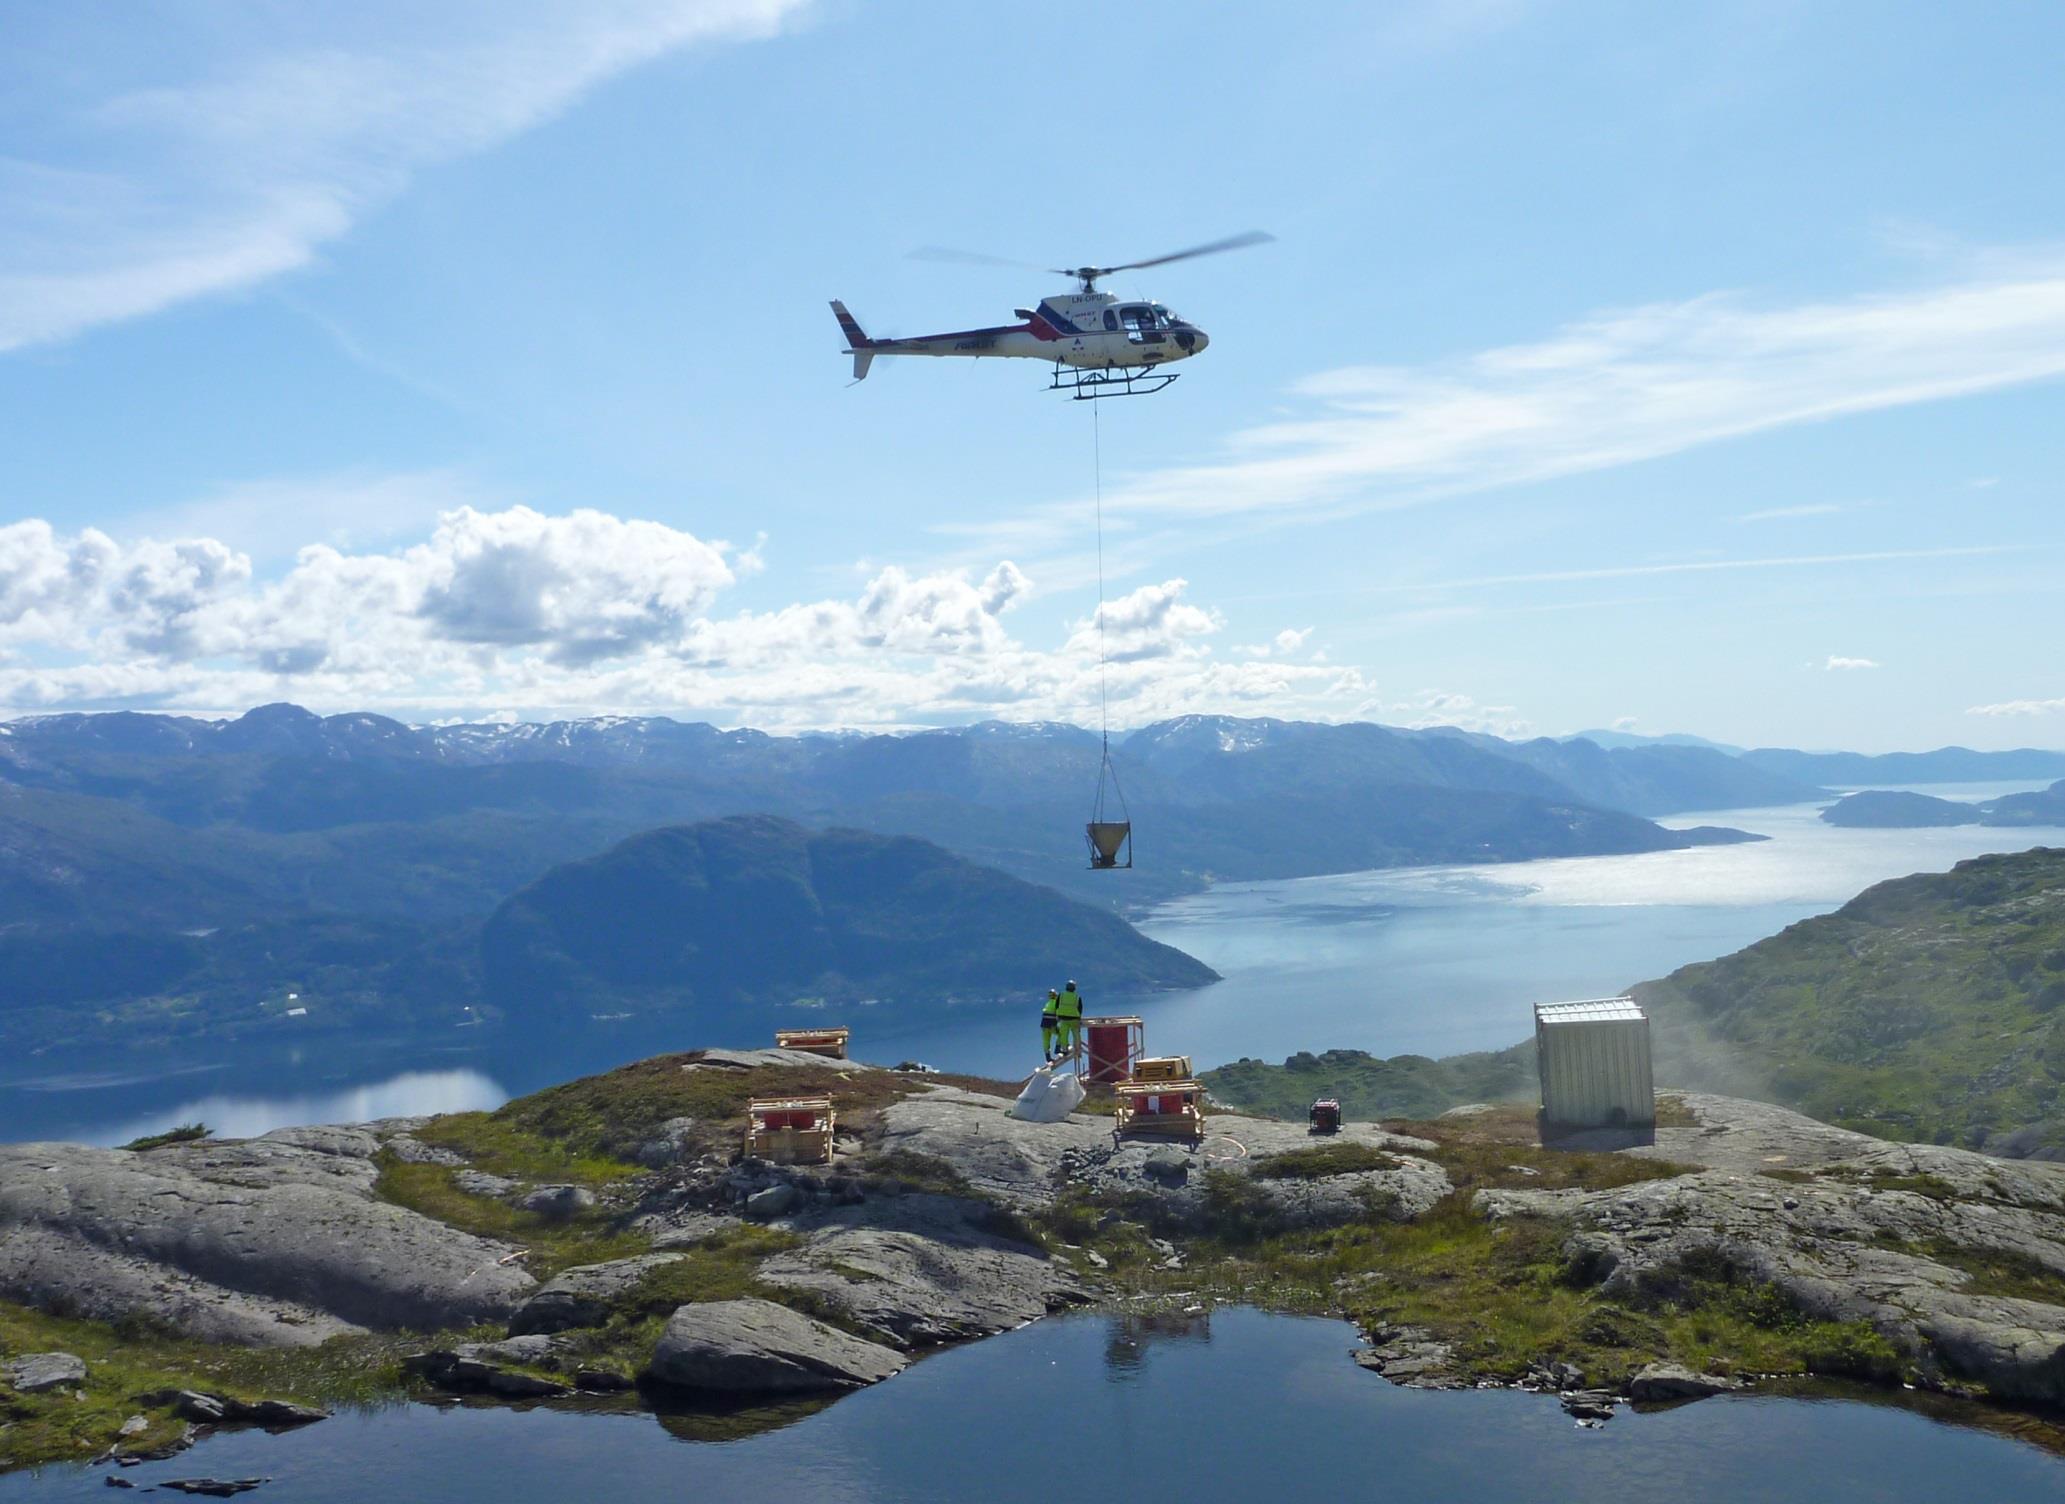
(1238, 1405)
(1427, 960)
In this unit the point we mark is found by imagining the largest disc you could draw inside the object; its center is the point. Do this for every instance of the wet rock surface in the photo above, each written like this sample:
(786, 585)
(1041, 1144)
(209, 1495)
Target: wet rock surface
(1667, 1383)
(755, 1347)
(1413, 1357)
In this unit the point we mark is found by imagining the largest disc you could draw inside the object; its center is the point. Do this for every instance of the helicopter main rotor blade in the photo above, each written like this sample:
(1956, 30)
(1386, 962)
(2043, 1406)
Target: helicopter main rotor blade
(1230, 243)
(965, 258)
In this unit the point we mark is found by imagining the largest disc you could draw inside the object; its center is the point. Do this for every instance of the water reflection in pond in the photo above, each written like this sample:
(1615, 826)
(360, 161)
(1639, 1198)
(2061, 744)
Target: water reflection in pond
(1240, 1406)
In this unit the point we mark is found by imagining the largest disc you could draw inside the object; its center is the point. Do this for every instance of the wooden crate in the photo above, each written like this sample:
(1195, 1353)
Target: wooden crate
(1162, 1068)
(828, 1042)
(1171, 1109)
(790, 1130)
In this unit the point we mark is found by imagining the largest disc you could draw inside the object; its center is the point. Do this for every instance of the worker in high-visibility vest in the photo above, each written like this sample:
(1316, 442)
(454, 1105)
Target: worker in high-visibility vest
(1068, 1014)
(1050, 1020)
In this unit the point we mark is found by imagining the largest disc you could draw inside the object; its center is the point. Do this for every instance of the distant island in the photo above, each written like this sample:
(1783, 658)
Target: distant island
(752, 918)
(758, 913)
(1891, 809)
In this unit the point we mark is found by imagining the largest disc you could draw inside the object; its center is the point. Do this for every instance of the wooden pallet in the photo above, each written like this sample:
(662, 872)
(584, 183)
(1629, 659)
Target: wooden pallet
(828, 1042)
(1167, 1109)
(790, 1130)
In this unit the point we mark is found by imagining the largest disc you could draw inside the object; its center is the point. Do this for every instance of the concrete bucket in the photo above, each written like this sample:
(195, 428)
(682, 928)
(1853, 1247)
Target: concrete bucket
(1109, 842)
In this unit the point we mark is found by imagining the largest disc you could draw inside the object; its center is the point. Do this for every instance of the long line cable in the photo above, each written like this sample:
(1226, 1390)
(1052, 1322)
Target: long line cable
(1097, 453)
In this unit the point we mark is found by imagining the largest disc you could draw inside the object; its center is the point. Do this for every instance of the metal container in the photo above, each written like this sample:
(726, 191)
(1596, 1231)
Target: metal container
(1593, 1058)
(1115, 1043)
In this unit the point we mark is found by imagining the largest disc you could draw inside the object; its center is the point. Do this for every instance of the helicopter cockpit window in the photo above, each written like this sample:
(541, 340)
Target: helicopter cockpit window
(1139, 322)
(1111, 320)
(1163, 317)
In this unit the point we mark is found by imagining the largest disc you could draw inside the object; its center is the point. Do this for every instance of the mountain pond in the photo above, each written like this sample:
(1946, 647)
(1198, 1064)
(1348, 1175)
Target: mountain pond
(1231, 1405)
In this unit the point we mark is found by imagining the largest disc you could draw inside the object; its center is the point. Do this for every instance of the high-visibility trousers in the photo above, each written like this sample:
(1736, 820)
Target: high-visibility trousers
(1068, 1033)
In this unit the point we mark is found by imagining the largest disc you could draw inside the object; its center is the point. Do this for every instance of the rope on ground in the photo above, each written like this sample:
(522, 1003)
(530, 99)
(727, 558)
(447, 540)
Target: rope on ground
(1231, 1140)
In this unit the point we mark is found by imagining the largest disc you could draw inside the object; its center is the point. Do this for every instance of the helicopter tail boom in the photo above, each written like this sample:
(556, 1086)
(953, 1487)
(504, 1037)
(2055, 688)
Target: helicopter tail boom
(858, 345)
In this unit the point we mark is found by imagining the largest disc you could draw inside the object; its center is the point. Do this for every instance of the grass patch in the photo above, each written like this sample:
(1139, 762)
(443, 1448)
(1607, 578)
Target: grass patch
(554, 1244)
(1671, 1112)
(498, 1146)
(1998, 1271)
(608, 1116)
(185, 1133)
(1327, 1159)
(131, 1359)
(1935, 1187)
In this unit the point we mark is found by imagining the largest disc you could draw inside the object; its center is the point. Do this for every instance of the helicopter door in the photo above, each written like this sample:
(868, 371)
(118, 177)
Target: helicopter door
(1139, 322)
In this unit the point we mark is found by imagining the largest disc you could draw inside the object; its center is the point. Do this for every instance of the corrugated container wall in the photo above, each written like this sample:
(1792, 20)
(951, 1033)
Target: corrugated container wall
(1593, 1058)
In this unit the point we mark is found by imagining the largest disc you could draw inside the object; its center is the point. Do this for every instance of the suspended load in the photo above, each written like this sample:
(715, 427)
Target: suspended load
(1111, 839)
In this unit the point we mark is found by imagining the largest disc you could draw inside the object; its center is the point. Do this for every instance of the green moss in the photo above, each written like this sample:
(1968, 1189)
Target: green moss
(499, 1146)
(1327, 1159)
(589, 1237)
(133, 1359)
(185, 1133)
(610, 1115)
(1998, 1271)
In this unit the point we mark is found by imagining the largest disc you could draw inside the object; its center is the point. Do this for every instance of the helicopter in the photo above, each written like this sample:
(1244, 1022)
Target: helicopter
(1100, 344)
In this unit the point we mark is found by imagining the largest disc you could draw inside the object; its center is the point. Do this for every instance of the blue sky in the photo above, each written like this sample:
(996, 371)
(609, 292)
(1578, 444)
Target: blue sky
(1680, 368)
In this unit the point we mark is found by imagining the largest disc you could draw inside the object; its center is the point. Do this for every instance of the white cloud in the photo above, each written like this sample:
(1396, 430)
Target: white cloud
(1837, 664)
(1625, 723)
(261, 141)
(2019, 708)
(1153, 621)
(1611, 390)
(588, 612)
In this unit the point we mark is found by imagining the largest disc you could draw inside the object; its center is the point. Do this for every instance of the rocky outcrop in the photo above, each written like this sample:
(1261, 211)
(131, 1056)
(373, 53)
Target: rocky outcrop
(1020, 1164)
(1668, 1383)
(1909, 1240)
(919, 1270)
(557, 1203)
(271, 1241)
(1178, 1175)
(583, 1296)
(744, 1348)
(34, 1373)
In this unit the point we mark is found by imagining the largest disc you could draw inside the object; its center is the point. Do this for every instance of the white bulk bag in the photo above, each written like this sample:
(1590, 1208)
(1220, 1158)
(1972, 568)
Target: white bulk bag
(1048, 1098)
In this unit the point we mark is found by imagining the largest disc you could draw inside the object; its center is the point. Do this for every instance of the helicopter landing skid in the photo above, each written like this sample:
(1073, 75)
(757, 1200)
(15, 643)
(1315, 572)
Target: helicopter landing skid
(1124, 381)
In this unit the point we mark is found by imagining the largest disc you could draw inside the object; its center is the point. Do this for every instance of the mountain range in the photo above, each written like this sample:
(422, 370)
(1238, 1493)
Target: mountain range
(152, 863)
